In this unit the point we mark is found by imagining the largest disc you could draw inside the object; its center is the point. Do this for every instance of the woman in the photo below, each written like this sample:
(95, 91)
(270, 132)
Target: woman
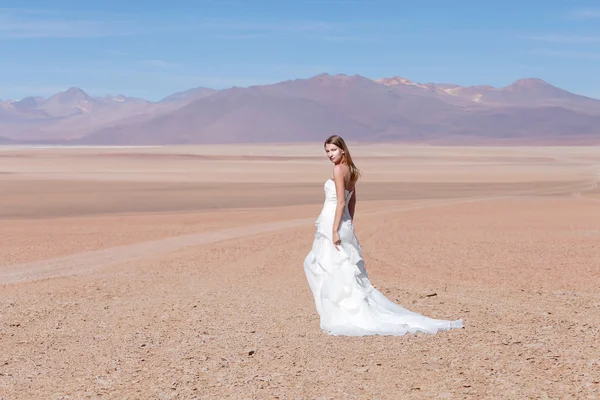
(345, 299)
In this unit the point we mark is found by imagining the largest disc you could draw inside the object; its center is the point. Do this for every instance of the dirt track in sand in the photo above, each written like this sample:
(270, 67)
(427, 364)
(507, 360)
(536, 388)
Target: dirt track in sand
(81, 263)
(130, 281)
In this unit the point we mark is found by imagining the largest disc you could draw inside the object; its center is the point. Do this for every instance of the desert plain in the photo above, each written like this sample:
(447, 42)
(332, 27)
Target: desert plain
(176, 272)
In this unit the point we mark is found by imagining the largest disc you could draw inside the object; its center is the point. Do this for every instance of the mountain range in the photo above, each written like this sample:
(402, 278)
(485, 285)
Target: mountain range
(528, 111)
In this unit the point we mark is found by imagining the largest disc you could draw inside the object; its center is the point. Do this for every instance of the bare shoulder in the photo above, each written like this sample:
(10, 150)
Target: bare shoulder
(341, 174)
(341, 170)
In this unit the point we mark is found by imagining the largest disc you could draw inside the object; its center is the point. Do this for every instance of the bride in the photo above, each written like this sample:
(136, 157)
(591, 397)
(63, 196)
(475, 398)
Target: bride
(346, 301)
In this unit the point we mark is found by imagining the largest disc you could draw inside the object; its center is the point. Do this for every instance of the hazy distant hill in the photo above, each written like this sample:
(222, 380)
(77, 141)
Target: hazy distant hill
(188, 95)
(530, 92)
(389, 109)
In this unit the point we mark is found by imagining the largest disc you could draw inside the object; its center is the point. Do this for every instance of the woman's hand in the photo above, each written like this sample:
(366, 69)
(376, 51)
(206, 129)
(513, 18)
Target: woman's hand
(336, 239)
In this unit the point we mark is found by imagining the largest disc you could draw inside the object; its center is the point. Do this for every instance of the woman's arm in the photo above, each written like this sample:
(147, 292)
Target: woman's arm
(338, 179)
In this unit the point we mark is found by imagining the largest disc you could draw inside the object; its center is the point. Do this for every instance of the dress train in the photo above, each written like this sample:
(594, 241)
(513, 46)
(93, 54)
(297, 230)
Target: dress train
(345, 299)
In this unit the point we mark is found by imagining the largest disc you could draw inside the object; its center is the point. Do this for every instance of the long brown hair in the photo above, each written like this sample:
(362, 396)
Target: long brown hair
(337, 141)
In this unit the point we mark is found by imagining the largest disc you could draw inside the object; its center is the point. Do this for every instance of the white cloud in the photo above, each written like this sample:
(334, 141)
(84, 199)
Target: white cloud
(238, 36)
(159, 64)
(563, 38)
(306, 26)
(310, 30)
(579, 55)
(349, 39)
(17, 24)
(585, 13)
(25, 23)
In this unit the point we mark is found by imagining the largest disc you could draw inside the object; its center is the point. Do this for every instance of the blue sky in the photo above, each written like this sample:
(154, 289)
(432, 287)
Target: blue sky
(153, 48)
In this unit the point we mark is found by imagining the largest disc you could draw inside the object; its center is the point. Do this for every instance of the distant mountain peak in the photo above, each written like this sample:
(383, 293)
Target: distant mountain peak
(339, 77)
(336, 80)
(71, 94)
(530, 83)
(74, 89)
(330, 76)
(398, 80)
(188, 95)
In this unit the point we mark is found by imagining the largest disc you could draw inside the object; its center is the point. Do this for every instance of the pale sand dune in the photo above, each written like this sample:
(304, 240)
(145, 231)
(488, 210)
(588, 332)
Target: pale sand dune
(158, 273)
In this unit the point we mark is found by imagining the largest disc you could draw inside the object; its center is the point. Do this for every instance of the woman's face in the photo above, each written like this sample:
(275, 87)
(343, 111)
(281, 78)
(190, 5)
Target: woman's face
(334, 153)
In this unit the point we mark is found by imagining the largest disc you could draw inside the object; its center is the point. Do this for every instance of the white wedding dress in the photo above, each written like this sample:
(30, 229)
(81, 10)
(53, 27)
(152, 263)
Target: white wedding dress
(346, 301)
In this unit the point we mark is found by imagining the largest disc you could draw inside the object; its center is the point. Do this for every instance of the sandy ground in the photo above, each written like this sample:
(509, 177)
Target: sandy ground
(176, 273)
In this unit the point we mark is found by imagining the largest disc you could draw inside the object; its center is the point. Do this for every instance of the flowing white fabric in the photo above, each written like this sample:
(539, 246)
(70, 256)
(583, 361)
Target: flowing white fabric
(347, 303)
